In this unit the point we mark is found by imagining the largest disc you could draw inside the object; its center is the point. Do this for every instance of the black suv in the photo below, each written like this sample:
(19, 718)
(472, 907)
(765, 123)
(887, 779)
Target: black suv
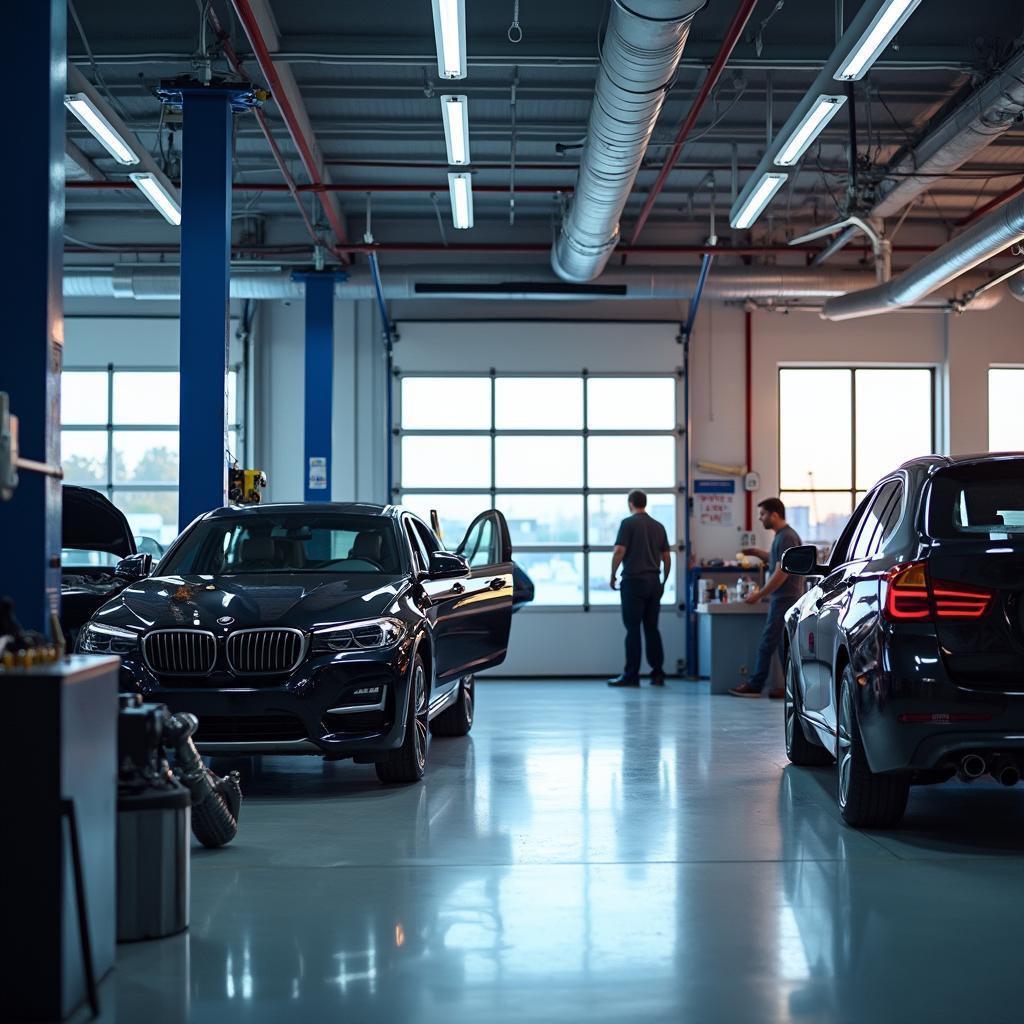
(905, 660)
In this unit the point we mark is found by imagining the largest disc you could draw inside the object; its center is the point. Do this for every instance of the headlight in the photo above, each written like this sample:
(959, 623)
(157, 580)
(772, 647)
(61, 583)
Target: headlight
(98, 638)
(371, 635)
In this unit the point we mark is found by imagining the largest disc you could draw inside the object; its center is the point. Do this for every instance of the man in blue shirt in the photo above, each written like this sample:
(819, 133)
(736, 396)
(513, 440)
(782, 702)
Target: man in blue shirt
(782, 591)
(641, 548)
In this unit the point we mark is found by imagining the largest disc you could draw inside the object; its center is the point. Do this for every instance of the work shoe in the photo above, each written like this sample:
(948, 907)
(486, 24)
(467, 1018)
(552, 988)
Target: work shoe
(657, 679)
(624, 681)
(778, 693)
(745, 690)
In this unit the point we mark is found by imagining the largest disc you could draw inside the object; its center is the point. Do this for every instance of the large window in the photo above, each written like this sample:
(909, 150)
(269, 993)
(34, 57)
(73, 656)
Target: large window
(119, 434)
(556, 454)
(1005, 422)
(840, 431)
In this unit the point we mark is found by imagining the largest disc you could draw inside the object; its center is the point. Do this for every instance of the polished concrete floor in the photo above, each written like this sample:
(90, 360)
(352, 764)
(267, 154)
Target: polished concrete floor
(599, 855)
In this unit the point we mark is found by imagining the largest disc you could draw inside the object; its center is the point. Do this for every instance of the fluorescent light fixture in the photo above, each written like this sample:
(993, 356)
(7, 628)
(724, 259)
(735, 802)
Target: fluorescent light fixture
(455, 111)
(461, 188)
(450, 37)
(153, 189)
(884, 25)
(807, 130)
(102, 130)
(758, 199)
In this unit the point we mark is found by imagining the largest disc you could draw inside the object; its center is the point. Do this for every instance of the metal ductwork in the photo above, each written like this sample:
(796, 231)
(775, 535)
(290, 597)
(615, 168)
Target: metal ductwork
(980, 242)
(982, 117)
(641, 51)
(731, 284)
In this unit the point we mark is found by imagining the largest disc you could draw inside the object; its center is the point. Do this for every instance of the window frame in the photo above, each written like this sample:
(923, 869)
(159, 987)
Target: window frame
(853, 491)
(494, 493)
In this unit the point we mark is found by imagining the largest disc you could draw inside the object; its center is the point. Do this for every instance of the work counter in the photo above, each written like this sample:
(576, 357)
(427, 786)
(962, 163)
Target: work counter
(728, 634)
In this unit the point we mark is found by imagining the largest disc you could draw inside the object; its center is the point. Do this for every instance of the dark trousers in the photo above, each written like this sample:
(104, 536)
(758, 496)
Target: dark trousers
(771, 638)
(641, 603)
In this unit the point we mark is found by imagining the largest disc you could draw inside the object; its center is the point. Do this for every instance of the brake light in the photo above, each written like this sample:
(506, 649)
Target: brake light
(906, 596)
(911, 595)
(959, 601)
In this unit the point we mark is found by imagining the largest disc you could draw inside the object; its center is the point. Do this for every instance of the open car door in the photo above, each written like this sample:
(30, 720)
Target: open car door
(483, 614)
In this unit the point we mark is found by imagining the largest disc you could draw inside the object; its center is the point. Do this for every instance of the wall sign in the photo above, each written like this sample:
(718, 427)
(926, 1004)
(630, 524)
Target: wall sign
(715, 502)
(318, 474)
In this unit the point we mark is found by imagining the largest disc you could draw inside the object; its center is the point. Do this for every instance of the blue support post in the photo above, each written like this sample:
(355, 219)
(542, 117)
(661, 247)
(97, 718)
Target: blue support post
(319, 402)
(389, 393)
(33, 306)
(205, 298)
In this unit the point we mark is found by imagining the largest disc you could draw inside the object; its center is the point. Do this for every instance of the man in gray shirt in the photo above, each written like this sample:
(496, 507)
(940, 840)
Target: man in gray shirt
(782, 591)
(641, 548)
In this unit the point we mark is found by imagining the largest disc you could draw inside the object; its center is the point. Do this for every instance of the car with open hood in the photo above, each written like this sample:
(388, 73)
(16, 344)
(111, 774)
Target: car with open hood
(345, 630)
(98, 555)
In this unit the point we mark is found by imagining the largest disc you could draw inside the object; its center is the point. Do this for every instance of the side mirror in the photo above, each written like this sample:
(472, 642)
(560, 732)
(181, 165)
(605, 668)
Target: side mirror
(134, 567)
(803, 561)
(446, 566)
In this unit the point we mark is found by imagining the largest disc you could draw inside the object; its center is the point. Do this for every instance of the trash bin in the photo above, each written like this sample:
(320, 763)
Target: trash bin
(152, 861)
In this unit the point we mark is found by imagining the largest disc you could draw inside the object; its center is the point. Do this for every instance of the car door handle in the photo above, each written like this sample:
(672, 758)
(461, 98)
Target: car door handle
(498, 583)
(458, 588)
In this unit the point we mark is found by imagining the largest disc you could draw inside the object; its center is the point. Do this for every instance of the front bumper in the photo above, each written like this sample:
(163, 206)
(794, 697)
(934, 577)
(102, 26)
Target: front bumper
(317, 709)
(910, 680)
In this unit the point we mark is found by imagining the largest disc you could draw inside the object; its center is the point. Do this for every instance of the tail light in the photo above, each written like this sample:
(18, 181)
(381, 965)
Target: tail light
(913, 596)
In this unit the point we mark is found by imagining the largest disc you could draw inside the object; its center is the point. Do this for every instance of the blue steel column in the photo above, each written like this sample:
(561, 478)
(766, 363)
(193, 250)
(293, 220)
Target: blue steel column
(205, 296)
(319, 385)
(33, 309)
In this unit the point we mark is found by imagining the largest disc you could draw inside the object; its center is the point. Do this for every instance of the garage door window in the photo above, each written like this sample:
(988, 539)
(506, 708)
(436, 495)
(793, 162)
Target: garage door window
(557, 453)
(119, 434)
(1005, 423)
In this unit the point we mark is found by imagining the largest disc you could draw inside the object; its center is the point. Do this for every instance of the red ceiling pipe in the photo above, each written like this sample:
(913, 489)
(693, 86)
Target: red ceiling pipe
(732, 37)
(236, 64)
(1003, 197)
(266, 64)
(748, 348)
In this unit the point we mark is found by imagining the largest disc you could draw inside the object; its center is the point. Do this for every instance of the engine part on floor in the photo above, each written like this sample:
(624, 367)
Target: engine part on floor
(245, 485)
(215, 801)
(153, 813)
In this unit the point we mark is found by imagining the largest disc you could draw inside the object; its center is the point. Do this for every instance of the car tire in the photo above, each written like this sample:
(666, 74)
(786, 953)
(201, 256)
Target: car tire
(458, 719)
(799, 749)
(866, 799)
(407, 763)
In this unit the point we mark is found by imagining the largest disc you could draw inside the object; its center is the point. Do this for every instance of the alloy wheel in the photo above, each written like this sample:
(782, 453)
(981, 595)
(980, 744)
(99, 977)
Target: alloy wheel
(790, 703)
(844, 743)
(421, 717)
(468, 684)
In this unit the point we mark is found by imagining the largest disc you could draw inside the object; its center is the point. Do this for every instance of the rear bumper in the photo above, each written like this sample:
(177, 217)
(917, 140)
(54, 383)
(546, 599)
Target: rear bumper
(911, 680)
(315, 710)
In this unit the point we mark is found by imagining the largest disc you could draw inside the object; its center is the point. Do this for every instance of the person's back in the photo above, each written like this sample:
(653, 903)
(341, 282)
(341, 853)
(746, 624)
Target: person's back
(644, 539)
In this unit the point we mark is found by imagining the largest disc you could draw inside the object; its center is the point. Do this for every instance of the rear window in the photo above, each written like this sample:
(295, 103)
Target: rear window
(985, 499)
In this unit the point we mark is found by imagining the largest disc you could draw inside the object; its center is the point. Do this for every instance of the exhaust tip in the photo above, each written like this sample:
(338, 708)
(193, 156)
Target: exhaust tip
(973, 766)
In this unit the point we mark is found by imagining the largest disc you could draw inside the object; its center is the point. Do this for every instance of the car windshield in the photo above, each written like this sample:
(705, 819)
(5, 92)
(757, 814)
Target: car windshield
(286, 543)
(984, 498)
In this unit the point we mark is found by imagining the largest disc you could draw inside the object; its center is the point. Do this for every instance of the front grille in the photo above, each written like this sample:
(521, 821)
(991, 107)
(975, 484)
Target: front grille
(265, 651)
(180, 652)
(249, 729)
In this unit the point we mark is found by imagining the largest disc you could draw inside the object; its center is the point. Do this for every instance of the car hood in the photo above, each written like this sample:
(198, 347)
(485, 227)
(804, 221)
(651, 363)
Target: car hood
(92, 523)
(302, 600)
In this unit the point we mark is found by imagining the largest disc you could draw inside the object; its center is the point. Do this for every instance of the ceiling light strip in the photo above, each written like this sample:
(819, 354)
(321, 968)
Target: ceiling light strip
(455, 112)
(769, 184)
(153, 189)
(808, 129)
(100, 128)
(460, 187)
(868, 48)
(450, 37)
